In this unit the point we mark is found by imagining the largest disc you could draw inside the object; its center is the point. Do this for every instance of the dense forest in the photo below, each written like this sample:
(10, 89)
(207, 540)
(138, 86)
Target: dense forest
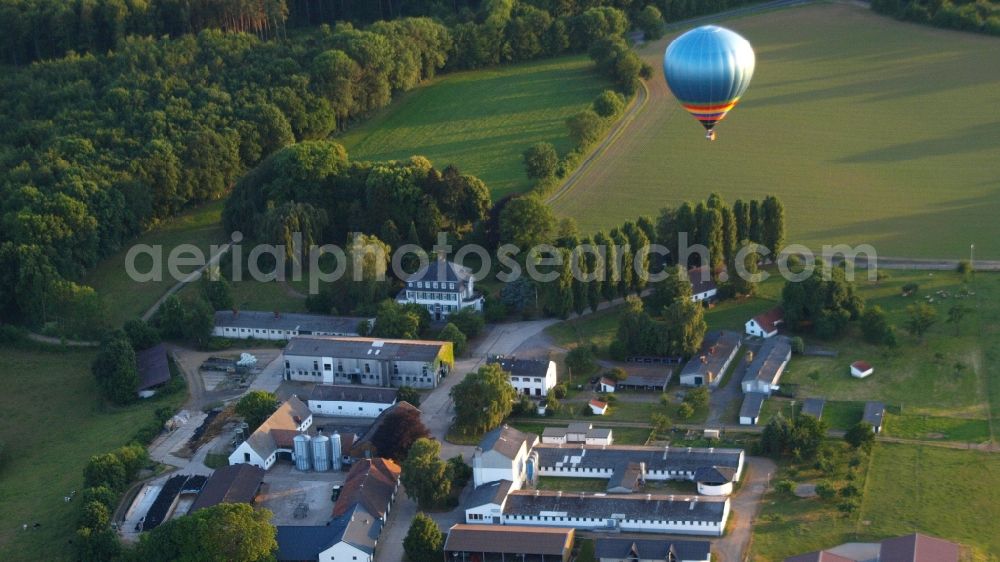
(967, 15)
(161, 104)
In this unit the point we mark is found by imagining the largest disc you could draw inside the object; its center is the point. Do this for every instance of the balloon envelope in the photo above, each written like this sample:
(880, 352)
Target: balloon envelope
(708, 69)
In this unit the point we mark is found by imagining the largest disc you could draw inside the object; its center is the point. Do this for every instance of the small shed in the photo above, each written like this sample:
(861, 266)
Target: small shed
(874, 415)
(598, 407)
(607, 385)
(753, 402)
(153, 367)
(813, 407)
(861, 369)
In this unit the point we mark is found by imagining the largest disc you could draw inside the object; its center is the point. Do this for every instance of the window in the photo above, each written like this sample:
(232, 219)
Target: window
(327, 367)
(368, 368)
(315, 365)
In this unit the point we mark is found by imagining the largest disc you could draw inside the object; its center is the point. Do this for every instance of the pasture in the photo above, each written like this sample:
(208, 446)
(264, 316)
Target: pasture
(52, 422)
(129, 299)
(482, 120)
(870, 131)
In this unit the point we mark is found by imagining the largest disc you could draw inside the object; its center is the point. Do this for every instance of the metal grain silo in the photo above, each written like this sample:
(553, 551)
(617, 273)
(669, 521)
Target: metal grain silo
(335, 451)
(321, 453)
(300, 448)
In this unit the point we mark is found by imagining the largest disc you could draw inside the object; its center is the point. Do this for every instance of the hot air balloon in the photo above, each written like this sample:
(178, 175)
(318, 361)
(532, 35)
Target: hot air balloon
(708, 69)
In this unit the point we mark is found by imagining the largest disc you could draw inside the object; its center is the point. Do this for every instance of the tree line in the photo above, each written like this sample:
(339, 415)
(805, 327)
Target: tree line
(982, 16)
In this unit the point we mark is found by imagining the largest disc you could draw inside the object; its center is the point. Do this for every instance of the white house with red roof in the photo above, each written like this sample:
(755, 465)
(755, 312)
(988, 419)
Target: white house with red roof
(598, 407)
(861, 369)
(765, 324)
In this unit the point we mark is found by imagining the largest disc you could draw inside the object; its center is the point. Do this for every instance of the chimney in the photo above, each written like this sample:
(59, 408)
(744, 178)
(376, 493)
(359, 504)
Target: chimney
(277, 313)
(704, 360)
(236, 312)
(692, 505)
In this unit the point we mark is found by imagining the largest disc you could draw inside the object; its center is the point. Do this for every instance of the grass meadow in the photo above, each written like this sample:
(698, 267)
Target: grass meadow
(129, 299)
(870, 130)
(482, 121)
(51, 422)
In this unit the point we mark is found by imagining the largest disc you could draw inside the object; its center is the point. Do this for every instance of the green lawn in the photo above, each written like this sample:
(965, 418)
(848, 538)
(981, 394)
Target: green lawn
(870, 131)
(129, 299)
(942, 492)
(52, 422)
(482, 121)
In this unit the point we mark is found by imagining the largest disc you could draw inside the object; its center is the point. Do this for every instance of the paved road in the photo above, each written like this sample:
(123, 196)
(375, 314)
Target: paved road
(745, 507)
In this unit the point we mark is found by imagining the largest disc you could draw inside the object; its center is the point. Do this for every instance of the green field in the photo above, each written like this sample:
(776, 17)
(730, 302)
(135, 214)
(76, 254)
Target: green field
(128, 299)
(52, 422)
(482, 121)
(870, 131)
(941, 492)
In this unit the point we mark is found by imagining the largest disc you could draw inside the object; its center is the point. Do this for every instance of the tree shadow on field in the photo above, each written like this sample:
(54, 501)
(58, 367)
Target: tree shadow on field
(963, 221)
(985, 136)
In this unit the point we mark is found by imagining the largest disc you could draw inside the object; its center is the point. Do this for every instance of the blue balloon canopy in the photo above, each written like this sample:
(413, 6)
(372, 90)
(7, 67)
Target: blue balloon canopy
(708, 69)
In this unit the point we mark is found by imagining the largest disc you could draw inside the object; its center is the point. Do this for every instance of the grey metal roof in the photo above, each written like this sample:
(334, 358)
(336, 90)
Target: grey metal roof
(554, 432)
(752, 404)
(507, 441)
(873, 413)
(599, 433)
(579, 427)
(441, 270)
(716, 349)
(629, 506)
(626, 476)
(650, 549)
(769, 360)
(494, 492)
(607, 457)
(658, 380)
(813, 407)
(305, 542)
(152, 366)
(520, 367)
(365, 348)
(509, 539)
(303, 323)
(714, 475)
(354, 393)
(236, 483)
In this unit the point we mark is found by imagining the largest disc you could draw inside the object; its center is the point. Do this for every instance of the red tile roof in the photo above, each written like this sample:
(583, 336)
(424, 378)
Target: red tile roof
(608, 382)
(861, 365)
(769, 320)
(598, 403)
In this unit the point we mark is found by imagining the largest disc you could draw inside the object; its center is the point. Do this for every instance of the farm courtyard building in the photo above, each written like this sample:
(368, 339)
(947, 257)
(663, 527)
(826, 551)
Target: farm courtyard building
(531, 377)
(471, 543)
(689, 515)
(246, 324)
(443, 287)
(577, 432)
(350, 400)
(767, 366)
(916, 547)
(710, 363)
(153, 367)
(765, 324)
(359, 515)
(753, 403)
(238, 483)
(658, 463)
(608, 549)
(274, 436)
(502, 454)
(703, 287)
(368, 361)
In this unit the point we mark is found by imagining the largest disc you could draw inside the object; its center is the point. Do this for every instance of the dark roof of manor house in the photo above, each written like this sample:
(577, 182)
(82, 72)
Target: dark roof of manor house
(509, 539)
(294, 321)
(353, 393)
(441, 270)
(650, 549)
(521, 367)
(684, 459)
(153, 367)
(629, 506)
(365, 348)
